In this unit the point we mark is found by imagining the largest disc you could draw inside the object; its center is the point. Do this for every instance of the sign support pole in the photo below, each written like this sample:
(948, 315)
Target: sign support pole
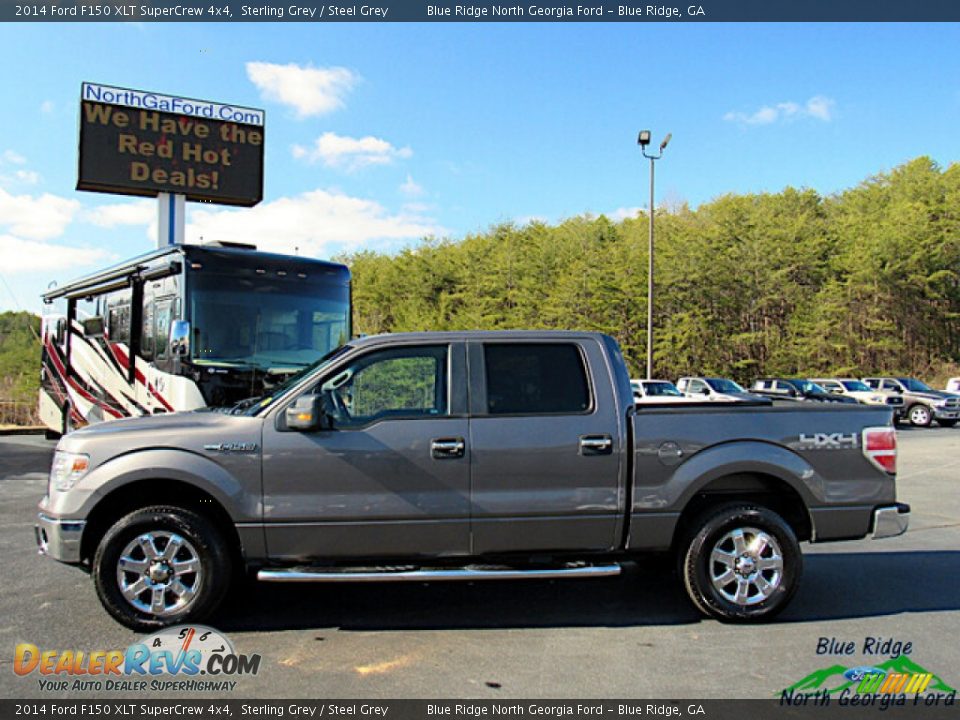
(171, 216)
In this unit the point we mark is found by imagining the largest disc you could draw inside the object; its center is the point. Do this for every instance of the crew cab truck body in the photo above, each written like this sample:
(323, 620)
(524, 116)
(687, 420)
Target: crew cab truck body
(861, 392)
(923, 404)
(798, 390)
(444, 456)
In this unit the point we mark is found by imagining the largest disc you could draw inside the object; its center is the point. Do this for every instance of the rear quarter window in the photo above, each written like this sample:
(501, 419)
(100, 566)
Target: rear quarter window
(535, 379)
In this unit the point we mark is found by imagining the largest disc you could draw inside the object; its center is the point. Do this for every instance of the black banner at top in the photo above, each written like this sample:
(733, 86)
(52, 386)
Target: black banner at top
(483, 11)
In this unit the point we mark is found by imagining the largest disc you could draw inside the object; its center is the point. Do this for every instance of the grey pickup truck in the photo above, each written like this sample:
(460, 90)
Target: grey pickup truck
(464, 456)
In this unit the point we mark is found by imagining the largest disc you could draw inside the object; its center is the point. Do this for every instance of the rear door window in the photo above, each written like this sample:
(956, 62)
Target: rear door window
(535, 379)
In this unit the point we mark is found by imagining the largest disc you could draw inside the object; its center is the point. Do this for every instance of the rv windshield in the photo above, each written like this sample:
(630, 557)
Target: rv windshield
(267, 323)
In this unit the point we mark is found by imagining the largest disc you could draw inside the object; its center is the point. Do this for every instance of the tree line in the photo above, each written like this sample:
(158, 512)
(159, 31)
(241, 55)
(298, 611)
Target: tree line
(792, 283)
(865, 281)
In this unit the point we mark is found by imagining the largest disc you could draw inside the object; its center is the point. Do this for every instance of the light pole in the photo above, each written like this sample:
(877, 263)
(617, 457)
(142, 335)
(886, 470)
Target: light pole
(643, 139)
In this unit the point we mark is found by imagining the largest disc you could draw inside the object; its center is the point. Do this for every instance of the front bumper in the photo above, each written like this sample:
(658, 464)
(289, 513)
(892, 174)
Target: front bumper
(890, 521)
(60, 539)
(946, 414)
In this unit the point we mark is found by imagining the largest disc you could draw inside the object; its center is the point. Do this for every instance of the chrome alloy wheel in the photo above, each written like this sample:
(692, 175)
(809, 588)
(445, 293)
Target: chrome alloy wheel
(159, 573)
(746, 566)
(920, 415)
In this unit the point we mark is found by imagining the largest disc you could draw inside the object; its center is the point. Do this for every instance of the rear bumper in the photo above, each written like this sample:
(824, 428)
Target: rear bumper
(890, 521)
(60, 539)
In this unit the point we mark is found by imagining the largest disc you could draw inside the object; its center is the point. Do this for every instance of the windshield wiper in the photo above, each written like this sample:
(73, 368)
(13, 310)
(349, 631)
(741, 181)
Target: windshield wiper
(239, 407)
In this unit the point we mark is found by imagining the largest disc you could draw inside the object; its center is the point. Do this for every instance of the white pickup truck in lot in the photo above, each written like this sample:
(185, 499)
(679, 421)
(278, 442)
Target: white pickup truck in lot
(716, 389)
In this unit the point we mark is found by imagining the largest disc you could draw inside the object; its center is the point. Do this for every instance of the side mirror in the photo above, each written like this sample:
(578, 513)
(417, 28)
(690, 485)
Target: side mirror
(93, 326)
(179, 338)
(309, 412)
(705, 391)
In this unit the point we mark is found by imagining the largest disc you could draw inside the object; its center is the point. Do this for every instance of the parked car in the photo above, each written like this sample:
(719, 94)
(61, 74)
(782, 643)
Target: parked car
(657, 391)
(923, 403)
(953, 385)
(716, 389)
(463, 456)
(861, 392)
(796, 389)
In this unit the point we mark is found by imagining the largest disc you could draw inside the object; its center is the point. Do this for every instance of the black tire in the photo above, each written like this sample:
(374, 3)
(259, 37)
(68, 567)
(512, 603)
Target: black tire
(712, 530)
(946, 423)
(203, 540)
(919, 415)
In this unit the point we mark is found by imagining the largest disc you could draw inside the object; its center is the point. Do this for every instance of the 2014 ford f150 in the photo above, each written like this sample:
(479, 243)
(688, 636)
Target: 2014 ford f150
(473, 455)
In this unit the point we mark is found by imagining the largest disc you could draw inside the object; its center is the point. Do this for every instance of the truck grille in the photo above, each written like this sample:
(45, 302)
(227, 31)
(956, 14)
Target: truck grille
(953, 403)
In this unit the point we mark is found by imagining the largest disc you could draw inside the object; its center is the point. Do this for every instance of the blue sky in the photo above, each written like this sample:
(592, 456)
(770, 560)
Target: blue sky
(378, 134)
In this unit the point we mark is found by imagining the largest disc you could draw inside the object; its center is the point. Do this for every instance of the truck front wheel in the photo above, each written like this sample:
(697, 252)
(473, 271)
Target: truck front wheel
(161, 566)
(920, 416)
(741, 563)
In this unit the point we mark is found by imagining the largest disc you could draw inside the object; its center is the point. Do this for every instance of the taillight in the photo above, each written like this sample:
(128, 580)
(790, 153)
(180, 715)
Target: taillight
(880, 447)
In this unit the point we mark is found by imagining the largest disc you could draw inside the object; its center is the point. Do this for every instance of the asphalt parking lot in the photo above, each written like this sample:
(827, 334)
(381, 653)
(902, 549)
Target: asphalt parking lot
(632, 636)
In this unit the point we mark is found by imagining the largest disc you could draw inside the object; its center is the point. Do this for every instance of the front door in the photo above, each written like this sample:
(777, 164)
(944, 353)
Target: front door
(391, 478)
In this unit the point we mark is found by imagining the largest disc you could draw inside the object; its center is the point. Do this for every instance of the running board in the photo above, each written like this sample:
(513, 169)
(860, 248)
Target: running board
(434, 575)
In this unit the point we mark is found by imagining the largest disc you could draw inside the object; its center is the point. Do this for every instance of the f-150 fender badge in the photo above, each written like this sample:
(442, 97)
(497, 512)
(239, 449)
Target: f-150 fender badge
(828, 441)
(232, 447)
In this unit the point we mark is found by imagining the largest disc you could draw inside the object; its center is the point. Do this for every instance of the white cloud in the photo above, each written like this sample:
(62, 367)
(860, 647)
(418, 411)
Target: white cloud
(625, 213)
(308, 90)
(36, 217)
(340, 151)
(817, 107)
(27, 255)
(14, 158)
(136, 212)
(411, 188)
(46, 107)
(317, 223)
(27, 177)
(820, 107)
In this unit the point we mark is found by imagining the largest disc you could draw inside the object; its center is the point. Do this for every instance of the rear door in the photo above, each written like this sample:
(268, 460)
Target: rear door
(545, 447)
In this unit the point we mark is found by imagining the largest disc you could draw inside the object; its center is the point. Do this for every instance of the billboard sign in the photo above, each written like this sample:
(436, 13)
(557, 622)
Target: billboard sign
(141, 143)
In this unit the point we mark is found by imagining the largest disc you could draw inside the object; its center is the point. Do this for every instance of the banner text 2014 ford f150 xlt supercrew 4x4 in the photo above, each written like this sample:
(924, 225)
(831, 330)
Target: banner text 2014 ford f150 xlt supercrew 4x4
(474, 455)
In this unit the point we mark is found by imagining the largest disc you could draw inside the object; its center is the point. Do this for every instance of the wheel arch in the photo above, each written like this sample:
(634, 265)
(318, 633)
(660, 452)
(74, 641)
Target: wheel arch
(751, 487)
(145, 492)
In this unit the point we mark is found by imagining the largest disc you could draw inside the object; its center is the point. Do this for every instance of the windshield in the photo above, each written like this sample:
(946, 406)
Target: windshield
(914, 385)
(660, 389)
(855, 386)
(252, 406)
(722, 385)
(266, 323)
(807, 387)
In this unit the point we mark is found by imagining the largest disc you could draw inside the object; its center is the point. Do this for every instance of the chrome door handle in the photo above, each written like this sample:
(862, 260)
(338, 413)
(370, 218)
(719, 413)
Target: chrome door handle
(596, 445)
(442, 448)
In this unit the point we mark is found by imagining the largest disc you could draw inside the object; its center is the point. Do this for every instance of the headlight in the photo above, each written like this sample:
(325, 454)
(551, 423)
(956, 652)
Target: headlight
(67, 469)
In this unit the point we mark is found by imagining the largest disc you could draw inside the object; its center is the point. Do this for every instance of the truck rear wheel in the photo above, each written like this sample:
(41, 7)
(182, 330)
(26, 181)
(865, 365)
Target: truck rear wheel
(161, 566)
(741, 563)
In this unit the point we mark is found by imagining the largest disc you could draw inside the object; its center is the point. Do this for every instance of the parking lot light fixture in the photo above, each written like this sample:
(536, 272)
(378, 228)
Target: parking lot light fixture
(643, 139)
